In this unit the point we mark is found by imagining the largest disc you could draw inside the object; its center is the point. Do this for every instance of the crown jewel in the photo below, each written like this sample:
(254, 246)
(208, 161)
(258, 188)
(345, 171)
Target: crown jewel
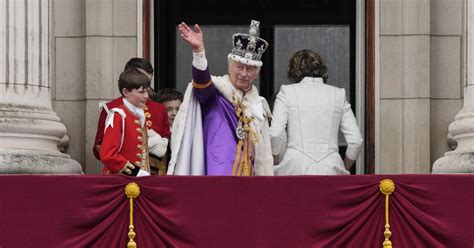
(248, 48)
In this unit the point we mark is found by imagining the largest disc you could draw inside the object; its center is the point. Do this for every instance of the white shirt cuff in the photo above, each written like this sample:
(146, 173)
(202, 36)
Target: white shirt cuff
(200, 61)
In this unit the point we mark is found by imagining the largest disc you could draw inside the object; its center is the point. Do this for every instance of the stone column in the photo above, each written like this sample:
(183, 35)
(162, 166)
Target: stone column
(461, 160)
(29, 129)
(404, 87)
(111, 40)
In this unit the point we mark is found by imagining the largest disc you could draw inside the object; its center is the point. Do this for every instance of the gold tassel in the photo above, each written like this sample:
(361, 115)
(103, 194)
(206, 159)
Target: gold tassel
(243, 165)
(387, 186)
(132, 191)
(237, 159)
(244, 169)
(245, 159)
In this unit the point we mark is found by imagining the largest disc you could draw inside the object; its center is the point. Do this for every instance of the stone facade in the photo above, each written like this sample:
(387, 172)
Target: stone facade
(93, 41)
(30, 131)
(421, 81)
(461, 160)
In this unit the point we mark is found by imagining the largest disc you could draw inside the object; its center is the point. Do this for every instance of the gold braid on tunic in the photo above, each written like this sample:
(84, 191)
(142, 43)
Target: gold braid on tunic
(157, 166)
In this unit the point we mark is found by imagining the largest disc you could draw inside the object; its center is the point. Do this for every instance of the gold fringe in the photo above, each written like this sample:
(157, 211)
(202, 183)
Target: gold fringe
(248, 163)
(244, 168)
(387, 187)
(132, 190)
(237, 158)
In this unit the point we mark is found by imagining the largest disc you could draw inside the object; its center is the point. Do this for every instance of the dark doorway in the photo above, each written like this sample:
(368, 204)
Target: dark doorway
(329, 26)
(272, 15)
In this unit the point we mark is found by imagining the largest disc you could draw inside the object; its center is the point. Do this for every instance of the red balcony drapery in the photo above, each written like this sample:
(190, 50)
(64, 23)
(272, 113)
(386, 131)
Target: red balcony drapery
(173, 211)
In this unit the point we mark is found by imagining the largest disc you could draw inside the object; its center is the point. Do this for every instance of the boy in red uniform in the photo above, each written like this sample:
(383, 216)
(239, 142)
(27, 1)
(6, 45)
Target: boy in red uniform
(155, 116)
(124, 146)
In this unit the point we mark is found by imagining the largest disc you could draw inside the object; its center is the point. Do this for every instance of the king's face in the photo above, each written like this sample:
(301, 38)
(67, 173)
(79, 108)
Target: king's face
(242, 75)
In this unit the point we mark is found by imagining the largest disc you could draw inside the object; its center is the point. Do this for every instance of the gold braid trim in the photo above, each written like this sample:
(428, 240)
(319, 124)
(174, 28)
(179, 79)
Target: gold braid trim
(243, 166)
(132, 190)
(202, 86)
(145, 163)
(237, 158)
(387, 186)
(247, 164)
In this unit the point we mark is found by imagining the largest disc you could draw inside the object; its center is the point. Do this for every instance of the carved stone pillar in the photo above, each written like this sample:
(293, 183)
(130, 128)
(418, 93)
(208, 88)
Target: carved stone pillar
(461, 160)
(29, 129)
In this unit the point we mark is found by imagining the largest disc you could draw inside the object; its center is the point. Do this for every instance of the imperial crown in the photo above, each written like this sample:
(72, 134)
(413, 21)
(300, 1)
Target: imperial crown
(248, 48)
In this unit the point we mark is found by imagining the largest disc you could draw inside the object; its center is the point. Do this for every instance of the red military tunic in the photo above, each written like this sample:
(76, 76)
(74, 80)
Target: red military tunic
(156, 119)
(134, 149)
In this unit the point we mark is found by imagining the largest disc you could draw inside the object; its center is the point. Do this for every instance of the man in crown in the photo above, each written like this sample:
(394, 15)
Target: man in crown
(222, 126)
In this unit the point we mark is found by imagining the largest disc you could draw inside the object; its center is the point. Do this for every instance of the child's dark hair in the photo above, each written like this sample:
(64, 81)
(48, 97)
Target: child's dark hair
(167, 94)
(140, 63)
(131, 79)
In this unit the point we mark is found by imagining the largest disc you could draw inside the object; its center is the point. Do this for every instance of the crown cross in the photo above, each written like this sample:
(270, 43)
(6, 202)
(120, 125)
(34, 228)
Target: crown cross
(254, 27)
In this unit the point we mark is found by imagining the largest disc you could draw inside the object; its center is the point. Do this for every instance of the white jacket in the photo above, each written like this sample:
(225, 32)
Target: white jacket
(304, 130)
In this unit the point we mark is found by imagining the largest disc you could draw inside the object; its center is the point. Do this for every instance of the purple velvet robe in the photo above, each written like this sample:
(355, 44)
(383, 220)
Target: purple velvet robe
(219, 124)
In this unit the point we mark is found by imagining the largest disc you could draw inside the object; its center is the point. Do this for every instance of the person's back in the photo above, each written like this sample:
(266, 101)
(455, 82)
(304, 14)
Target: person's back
(306, 120)
(314, 108)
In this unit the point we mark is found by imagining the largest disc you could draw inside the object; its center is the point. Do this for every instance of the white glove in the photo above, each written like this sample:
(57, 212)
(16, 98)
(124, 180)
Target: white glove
(156, 144)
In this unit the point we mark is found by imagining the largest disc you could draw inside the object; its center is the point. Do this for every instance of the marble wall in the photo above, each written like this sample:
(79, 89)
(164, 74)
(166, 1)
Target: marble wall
(420, 81)
(93, 41)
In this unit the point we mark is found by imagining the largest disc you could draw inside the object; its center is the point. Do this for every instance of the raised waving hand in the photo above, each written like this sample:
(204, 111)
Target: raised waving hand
(193, 37)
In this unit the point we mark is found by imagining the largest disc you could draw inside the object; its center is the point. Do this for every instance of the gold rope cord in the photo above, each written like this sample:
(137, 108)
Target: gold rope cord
(387, 187)
(243, 165)
(132, 190)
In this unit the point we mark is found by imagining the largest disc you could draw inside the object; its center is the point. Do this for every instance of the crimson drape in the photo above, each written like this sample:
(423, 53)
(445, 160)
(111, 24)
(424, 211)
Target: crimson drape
(174, 211)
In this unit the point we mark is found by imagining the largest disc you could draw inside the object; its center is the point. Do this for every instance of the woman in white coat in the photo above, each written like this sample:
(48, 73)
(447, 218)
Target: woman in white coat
(306, 118)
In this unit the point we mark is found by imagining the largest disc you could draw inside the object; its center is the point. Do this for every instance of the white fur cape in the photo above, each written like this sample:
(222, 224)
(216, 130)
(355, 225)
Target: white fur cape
(187, 146)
